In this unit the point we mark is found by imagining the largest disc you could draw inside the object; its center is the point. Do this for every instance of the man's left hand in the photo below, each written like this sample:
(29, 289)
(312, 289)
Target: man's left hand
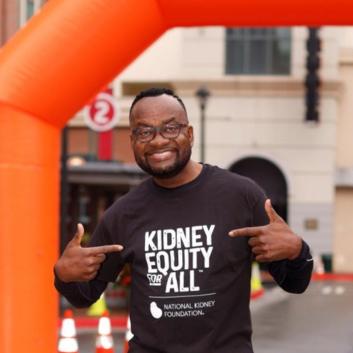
(272, 242)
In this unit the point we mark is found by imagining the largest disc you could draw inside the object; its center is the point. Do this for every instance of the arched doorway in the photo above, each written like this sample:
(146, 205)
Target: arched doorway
(269, 177)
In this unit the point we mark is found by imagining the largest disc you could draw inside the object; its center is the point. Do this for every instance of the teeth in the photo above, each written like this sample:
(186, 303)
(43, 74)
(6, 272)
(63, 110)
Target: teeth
(160, 156)
(160, 153)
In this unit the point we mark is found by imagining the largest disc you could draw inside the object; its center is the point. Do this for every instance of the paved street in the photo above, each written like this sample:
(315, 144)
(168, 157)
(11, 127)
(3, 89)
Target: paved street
(319, 321)
(87, 341)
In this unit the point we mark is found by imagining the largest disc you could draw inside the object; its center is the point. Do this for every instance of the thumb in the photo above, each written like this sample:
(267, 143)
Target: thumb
(271, 213)
(78, 235)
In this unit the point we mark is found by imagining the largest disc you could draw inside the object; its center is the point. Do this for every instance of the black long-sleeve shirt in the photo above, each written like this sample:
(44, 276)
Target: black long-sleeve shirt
(190, 287)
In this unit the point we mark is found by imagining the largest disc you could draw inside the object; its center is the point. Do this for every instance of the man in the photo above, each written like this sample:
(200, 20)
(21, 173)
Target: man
(190, 233)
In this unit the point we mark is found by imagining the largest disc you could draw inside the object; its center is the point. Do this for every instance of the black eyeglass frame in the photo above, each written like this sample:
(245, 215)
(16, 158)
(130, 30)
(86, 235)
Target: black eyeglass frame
(159, 129)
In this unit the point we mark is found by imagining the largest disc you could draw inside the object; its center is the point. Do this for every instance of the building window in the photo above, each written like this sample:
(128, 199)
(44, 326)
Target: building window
(28, 8)
(258, 51)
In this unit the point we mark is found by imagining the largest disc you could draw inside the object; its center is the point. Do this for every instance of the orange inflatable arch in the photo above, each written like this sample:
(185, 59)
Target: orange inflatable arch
(48, 71)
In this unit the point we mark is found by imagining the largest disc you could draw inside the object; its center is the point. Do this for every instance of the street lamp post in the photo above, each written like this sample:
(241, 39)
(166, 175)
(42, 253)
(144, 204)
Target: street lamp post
(202, 94)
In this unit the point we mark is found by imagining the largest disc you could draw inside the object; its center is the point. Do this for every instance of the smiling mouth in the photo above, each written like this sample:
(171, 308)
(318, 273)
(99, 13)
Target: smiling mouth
(160, 156)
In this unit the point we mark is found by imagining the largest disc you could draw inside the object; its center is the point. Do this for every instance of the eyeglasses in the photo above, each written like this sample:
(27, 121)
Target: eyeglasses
(148, 133)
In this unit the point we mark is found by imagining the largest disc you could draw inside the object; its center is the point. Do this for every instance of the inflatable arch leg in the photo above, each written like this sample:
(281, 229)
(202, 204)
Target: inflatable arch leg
(28, 232)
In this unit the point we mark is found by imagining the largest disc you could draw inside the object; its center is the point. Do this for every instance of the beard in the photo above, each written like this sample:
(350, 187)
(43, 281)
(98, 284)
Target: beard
(169, 171)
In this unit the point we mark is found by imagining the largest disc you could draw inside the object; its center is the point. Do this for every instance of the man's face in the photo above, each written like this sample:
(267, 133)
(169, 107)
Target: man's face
(161, 157)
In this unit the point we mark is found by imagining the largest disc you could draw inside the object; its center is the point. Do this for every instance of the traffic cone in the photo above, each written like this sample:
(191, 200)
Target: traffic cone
(68, 341)
(128, 335)
(104, 340)
(256, 285)
(98, 308)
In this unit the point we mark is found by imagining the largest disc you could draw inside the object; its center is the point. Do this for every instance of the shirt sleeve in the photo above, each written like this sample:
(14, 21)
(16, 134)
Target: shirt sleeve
(80, 294)
(293, 275)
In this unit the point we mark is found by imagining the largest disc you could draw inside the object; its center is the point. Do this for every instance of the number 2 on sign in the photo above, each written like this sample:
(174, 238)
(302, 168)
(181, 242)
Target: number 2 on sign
(101, 116)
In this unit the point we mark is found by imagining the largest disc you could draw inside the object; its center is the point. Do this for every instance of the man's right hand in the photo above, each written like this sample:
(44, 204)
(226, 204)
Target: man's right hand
(78, 264)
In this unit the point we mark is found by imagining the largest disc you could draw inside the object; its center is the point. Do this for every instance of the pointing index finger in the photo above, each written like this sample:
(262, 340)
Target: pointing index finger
(105, 249)
(246, 232)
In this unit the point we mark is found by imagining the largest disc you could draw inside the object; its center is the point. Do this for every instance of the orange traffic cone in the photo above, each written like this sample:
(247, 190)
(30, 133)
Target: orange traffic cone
(68, 341)
(104, 341)
(128, 336)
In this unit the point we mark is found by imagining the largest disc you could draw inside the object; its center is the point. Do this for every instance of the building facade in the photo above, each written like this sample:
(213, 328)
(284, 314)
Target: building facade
(15, 14)
(8, 19)
(343, 230)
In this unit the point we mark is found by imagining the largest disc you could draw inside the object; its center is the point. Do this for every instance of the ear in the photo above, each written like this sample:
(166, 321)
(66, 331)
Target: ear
(191, 135)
